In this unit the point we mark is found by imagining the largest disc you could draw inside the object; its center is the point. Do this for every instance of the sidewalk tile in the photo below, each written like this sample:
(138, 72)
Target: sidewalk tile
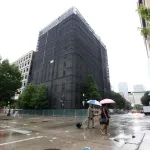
(145, 146)
(129, 147)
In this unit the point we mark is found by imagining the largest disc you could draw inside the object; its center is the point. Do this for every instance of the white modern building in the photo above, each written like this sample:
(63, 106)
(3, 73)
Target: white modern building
(138, 92)
(131, 98)
(24, 65)
(112, 88)
(123, 89)
(138, 88)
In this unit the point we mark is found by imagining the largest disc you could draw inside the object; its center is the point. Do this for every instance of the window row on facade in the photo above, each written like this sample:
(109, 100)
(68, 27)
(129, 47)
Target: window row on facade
(23, 59)
(64, 87)
(24, 70)
(24, 64)
(25, 76)
(24, 83)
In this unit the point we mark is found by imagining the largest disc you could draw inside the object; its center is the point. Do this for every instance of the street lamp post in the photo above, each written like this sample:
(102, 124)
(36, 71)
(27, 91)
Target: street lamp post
(9, 109)
(62, 102)
(52, 62)
(83, 102)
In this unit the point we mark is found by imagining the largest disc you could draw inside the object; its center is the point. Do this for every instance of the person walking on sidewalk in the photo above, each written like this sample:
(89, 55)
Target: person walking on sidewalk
(90, 116)
(105, 116)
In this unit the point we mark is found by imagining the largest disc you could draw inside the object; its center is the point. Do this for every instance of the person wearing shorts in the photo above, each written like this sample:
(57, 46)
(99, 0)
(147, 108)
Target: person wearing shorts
(104, 114)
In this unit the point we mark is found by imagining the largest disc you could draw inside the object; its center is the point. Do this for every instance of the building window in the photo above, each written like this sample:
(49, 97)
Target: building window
(28, 62)
(55, 88)
(63, 87)
(29, 55)
(64, 64)
(26, 76)
(24, 71)
(64, 73)
(65, 57)
(27, 69)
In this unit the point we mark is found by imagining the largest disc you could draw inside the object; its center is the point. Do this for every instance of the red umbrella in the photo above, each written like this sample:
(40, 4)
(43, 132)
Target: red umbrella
(107, 101)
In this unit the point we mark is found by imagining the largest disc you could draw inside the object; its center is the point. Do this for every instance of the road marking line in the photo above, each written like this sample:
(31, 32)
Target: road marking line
(21, 140)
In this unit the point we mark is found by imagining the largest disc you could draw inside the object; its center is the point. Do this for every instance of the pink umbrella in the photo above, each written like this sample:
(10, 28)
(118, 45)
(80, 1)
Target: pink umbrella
(107, 101)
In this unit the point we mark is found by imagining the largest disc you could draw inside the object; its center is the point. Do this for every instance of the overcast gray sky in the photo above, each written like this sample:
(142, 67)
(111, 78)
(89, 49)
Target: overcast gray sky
(115, 21)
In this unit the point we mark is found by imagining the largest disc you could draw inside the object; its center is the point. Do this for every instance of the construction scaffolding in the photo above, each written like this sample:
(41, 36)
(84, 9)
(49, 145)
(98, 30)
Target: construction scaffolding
(71, 11)
(75, 52)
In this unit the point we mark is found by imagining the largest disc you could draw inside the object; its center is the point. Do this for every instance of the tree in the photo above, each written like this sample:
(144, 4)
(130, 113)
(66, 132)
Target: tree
(121, 102)
(26, 96)
(138, 107)
(145, 99)
(40, 97)
(128, 105)
(145, 14)
(34, 97)
(90, 89)
(10, 81)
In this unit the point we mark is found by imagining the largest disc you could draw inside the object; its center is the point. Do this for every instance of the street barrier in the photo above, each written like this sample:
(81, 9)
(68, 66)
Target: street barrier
(57, 115)
(54, 112)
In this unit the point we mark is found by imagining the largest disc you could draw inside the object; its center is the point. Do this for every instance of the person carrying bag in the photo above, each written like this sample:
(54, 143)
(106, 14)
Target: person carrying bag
(104, 119)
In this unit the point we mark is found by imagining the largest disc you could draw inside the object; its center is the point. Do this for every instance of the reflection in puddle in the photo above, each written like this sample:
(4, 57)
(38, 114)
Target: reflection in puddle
(120, 139)
(136, 128)
(22, 131)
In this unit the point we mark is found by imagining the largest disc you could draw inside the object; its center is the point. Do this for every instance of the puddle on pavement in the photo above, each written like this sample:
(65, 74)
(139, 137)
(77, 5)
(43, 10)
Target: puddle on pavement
(13, 132)
(52, 149)
(22, 131)
(121, 139)
(145, 128)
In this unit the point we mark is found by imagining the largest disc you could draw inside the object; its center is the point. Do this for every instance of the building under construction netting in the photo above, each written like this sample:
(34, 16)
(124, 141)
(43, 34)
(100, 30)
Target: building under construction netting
(68, 50)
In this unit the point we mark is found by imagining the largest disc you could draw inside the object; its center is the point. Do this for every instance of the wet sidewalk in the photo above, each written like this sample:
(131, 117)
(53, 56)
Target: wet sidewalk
(127, 132)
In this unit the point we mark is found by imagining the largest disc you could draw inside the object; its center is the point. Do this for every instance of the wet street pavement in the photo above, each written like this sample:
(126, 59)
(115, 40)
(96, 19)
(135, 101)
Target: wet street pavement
(129, 131)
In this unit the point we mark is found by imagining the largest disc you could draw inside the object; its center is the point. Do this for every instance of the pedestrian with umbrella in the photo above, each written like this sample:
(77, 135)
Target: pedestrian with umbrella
(91, 113)
(104, 114)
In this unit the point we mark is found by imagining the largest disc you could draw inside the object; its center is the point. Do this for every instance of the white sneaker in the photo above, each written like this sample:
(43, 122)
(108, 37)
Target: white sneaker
(102, 132)
(107, 134)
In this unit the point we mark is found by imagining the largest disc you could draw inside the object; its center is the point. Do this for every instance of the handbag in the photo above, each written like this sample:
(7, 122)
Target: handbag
(103, 121)
(78, 125)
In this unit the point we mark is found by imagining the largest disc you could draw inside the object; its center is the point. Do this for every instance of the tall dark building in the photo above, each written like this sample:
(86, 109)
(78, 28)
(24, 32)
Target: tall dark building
(68, 51)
